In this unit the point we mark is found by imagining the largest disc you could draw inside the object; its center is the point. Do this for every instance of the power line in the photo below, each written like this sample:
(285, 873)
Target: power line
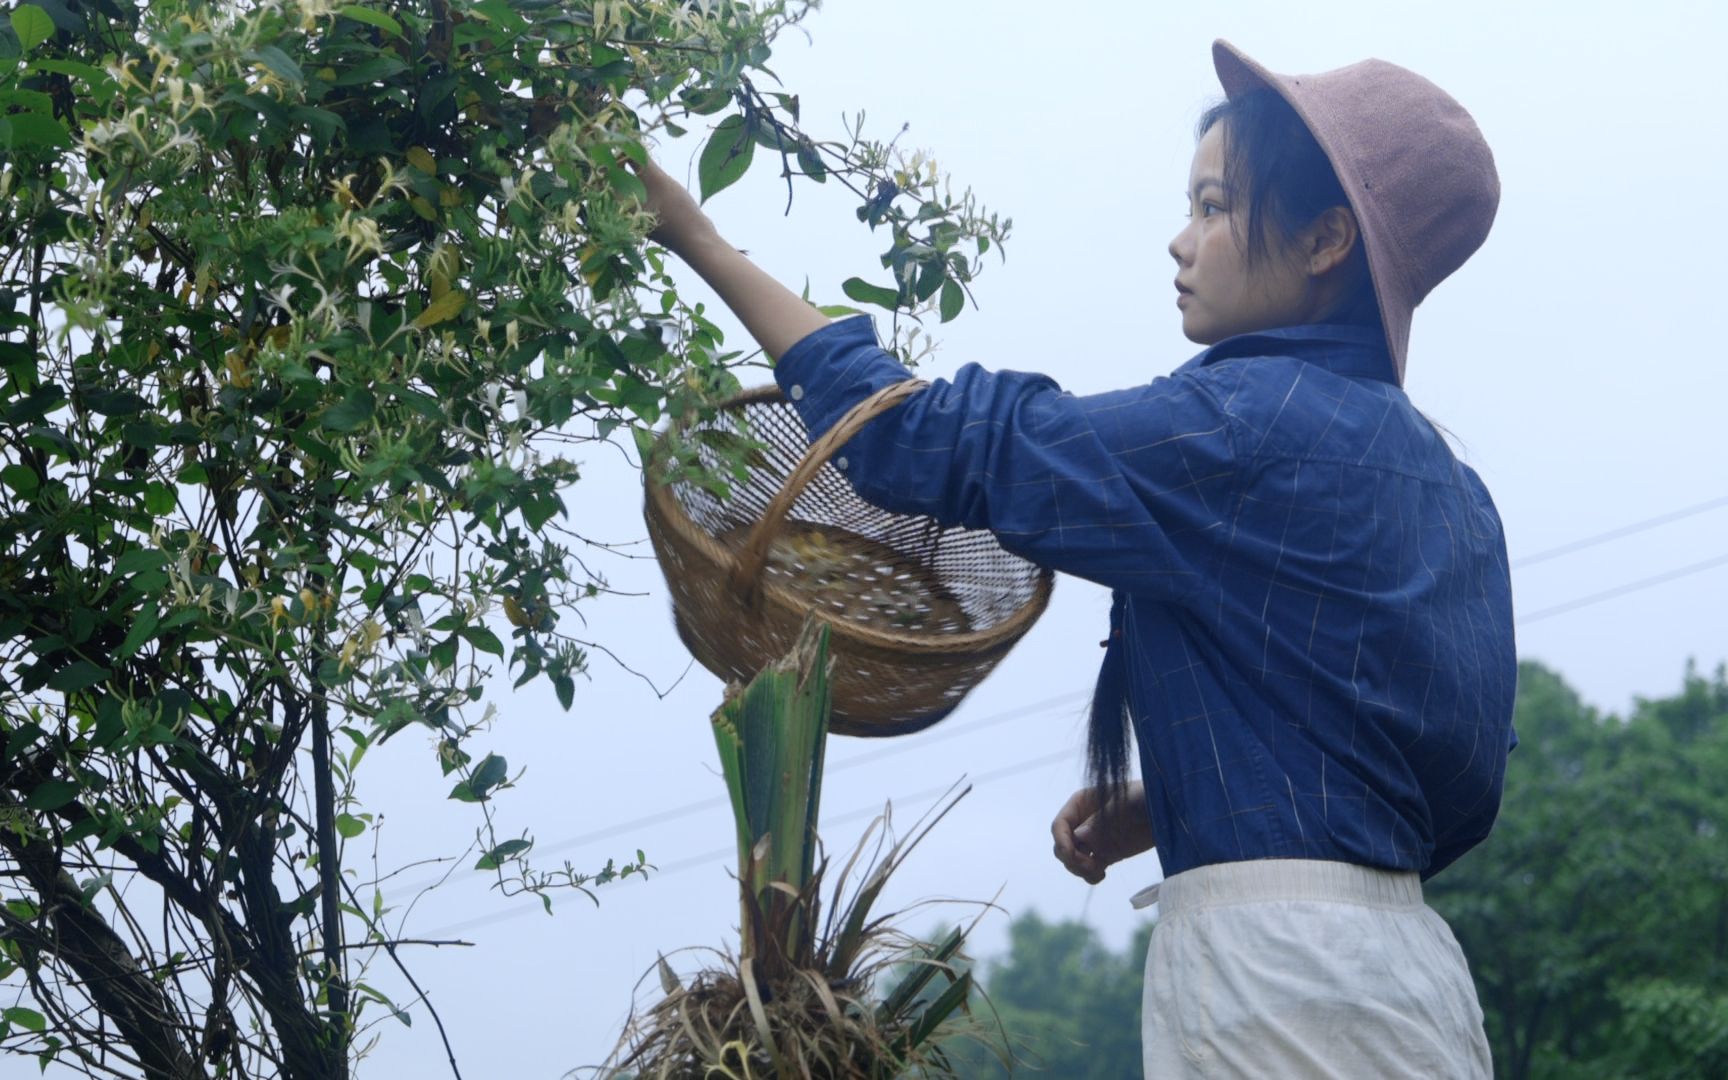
(720, 854)
(1622, 590)
(901, 746)
(1624, 530)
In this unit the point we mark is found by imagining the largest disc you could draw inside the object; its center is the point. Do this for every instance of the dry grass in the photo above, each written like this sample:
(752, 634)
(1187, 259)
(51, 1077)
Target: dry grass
(827, 1017)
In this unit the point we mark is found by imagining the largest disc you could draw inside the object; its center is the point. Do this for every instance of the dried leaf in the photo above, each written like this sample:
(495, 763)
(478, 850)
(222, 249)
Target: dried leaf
(441, 309)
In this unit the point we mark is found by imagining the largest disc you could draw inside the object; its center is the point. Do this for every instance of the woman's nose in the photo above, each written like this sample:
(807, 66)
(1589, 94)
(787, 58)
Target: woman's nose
(1178, 245)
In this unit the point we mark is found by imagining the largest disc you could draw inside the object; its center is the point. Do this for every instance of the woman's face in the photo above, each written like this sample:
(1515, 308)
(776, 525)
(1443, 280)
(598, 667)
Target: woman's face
(1219, 294)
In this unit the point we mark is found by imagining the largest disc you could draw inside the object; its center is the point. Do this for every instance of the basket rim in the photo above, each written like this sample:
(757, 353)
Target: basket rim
(665, 507)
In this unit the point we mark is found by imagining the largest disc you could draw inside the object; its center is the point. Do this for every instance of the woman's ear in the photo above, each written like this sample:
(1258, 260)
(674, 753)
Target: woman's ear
(1330, 240)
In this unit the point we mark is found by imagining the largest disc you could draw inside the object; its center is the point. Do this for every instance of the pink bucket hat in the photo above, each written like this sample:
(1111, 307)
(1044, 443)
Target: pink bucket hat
(1418, 173)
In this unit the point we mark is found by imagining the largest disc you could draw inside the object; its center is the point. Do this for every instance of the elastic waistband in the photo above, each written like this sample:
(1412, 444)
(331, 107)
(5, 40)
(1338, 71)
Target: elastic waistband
(1287, 879)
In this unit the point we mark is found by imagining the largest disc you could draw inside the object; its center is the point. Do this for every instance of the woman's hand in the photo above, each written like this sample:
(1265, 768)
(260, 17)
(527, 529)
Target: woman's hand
(776, 317)
(1092, 835)
(682, 224)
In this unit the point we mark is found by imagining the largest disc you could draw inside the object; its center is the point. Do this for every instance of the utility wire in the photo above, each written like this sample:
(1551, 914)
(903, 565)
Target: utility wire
(1624, 530)
(903, 746)
(1622, 590)
(720, 854)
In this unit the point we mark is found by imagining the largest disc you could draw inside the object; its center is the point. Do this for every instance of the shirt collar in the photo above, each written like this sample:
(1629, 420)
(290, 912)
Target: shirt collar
(1351, 351)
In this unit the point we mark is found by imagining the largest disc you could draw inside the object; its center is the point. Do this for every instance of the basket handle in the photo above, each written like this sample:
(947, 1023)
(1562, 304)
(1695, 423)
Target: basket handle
(747, 566)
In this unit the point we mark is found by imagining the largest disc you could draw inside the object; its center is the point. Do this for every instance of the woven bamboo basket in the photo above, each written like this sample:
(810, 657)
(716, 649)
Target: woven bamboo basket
(919, 613)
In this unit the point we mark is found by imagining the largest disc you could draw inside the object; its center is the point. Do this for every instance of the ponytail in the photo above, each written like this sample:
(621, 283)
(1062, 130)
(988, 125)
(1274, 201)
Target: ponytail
(1108, 732)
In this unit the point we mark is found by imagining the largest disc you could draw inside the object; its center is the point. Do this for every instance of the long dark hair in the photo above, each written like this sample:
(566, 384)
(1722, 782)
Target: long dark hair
(1278, 172)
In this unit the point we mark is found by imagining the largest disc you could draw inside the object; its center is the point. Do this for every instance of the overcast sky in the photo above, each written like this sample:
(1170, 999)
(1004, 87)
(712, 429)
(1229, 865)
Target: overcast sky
(1577, 358)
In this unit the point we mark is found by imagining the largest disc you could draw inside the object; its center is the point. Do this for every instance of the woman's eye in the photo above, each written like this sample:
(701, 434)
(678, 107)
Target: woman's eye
(1208, 209)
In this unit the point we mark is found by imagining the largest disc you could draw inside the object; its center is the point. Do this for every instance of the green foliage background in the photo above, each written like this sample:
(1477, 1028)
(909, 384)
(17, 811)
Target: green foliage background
(1595, 917)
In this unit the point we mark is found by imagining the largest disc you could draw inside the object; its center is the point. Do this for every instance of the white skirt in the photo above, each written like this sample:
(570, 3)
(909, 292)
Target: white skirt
(1300, 968)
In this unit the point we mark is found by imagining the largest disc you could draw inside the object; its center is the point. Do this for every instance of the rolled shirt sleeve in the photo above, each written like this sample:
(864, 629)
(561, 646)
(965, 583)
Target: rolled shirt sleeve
(1129, 488)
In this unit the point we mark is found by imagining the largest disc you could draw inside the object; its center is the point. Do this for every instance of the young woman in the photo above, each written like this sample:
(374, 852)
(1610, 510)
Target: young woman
(1311, 636)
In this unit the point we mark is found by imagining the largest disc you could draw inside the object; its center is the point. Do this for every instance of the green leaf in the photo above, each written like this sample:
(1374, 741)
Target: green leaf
(565, 687)
(51, 795)
(866, 293)
(352, 412)
(495, 858)
(78, 675)
(349, 826)
(280, 64)
(810, 161)
(142, 627)
(483, 639)
(487, 775)
(370, 18)
(34, 129)
(159, 498)
(953, 299)
(29, 1019)
(930, 278)
(139, 560)
(21, 478)
(371, 71)
(33, 27)
(705, 102)
(725, 158)
(95, 76)
(321, 124)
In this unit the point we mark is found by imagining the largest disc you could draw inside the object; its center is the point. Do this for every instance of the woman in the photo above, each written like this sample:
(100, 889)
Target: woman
(1311, 635)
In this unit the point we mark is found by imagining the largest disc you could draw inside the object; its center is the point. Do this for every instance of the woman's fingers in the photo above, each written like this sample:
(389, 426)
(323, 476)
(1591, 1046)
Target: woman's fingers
(676, 213)
(1071, 834)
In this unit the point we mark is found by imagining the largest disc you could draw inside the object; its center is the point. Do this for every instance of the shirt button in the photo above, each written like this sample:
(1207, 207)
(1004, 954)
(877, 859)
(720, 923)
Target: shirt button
(840, 463)
(797, 393)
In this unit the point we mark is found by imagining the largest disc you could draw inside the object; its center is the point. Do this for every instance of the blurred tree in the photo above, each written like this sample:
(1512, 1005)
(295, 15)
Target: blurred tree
(1596, 915)
(1069, 1006)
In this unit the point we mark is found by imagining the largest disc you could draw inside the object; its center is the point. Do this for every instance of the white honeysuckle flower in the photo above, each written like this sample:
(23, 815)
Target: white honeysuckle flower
(311, 11)
(391, 184)
(187, 144)
(279, 297)
(328, 309)
(361, 235)
(102, 132)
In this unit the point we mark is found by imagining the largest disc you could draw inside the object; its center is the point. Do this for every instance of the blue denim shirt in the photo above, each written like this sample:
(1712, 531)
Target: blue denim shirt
(1313, 617)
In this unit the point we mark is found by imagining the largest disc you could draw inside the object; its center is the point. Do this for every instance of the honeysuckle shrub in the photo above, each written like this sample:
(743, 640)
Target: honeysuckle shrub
(305, 309)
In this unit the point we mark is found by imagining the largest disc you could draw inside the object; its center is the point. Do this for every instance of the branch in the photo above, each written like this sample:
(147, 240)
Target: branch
(141, 1011)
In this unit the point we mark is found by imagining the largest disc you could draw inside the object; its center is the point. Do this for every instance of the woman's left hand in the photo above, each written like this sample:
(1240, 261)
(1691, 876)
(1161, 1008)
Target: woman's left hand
(681, 223)
(1092, 834)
